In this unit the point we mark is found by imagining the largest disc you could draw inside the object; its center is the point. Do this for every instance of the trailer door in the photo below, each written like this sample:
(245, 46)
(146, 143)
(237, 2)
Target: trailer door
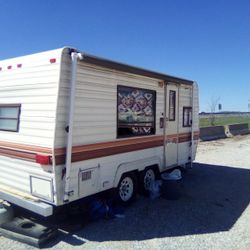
(171, 149)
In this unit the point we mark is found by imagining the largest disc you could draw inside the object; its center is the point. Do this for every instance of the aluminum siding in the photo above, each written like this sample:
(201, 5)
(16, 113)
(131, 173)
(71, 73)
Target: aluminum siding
(34, 85)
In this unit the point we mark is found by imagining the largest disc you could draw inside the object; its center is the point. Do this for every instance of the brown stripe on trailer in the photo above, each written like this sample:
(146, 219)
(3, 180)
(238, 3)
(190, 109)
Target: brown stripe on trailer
(29, 156)
(91, 151)
(25, 147)
(23, 151)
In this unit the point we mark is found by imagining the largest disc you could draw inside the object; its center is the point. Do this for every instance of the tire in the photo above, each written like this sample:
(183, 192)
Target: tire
(127, 188)
(146, 178)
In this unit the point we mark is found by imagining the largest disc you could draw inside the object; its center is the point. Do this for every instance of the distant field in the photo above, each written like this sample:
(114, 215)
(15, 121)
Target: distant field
(206, 122)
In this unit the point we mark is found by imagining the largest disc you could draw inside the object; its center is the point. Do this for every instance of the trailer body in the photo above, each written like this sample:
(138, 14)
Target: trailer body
(72, 124)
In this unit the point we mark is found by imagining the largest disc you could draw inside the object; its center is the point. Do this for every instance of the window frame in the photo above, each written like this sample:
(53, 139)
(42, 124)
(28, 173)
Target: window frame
(17, 119)
(174, 107)
(154, 93)
(190, 120)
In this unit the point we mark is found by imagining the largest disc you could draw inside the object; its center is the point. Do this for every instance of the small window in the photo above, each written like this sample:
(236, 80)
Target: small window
(187, 116)
(9, 117)
(135, 111)
(172, 101)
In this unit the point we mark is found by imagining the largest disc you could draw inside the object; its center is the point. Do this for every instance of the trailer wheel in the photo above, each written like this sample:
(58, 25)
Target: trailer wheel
(146, 178)
(126, 190)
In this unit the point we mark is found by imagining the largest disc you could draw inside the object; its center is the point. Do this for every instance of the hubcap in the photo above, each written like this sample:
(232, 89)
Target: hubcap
(149, 178)
(126, 189)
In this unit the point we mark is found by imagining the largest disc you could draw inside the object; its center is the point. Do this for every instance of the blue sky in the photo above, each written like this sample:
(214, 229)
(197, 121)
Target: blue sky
(207, 41)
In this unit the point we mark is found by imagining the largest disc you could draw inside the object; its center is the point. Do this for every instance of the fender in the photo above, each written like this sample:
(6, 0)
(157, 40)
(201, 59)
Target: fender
(139, 165)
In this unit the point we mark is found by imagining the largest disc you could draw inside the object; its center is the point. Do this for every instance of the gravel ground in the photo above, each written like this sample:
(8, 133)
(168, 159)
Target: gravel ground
(227, 152)
(213, 212)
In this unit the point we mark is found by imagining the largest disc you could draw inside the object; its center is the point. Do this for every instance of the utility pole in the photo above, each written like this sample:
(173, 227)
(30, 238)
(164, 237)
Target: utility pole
(248, 105)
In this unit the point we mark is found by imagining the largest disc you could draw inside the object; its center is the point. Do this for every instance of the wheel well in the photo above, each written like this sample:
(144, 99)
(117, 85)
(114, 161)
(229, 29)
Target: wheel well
(136, 167)
(155, 167)
(135, 172)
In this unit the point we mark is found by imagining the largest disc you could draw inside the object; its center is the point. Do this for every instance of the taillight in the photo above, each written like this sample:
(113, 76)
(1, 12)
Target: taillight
(43, 159)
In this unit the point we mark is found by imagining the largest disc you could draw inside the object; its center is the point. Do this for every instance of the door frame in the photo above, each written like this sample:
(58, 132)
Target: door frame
(166, 120)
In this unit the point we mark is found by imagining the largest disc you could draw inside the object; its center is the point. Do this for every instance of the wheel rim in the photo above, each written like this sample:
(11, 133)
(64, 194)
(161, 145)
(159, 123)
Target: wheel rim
(126, 189)
(149, 177)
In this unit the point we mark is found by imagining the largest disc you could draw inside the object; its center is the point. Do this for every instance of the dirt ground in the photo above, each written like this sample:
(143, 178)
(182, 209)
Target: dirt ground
(212, 213)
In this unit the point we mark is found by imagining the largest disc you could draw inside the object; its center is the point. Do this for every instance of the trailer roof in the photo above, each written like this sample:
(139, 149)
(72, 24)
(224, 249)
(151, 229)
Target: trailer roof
(132, 69)
(88, 58)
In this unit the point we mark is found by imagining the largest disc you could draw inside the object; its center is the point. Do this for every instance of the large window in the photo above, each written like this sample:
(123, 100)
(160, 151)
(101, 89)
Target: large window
(9, 117)
(135, 111)
(187, 116)
(172, 103)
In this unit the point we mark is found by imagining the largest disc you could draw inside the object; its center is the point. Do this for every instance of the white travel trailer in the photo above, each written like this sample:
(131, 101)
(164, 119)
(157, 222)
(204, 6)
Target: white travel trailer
(73, 125)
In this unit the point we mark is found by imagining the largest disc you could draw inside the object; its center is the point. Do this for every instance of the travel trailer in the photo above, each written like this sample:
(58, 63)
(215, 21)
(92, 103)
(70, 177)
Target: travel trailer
(73, 125)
